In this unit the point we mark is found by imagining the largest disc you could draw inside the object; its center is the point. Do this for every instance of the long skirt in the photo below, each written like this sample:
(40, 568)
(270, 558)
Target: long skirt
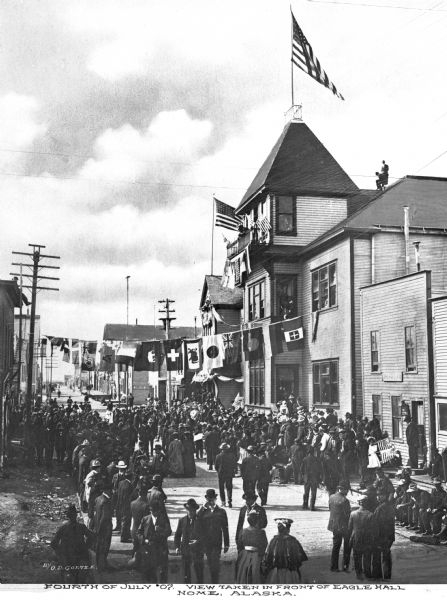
(249, 567)
(283, 576)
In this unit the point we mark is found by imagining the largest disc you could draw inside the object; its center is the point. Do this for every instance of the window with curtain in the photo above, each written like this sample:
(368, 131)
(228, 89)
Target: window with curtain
(324, 287)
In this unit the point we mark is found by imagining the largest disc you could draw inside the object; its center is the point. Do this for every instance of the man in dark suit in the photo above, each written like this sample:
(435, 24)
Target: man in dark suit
(265, 467)
(215, 528)
(188, 542)
(383, 523)
(360, 529)
(226, 467)
(139, 508)
(153, 536)
(211, 440)
(250, 505)
(103, 527)
(156, 494)
(311, 473)
(250, 468)
(339, 513)
(123, 498)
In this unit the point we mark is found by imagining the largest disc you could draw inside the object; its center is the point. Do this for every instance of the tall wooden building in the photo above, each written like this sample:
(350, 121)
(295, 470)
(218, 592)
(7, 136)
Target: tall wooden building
(313, 240)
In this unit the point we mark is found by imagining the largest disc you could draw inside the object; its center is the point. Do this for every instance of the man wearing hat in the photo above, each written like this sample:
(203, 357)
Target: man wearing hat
(226, 467)
(339, 513)
(265, 467)
(153, 534)
(431, 517)
(311, 474)
(123, 512)
(156, 494)
(159, 463)
(139, 508)
(250, 505)
(103, 527)
(360, 531)
(211, 440)
(119, 476)
(250, 468)
(71, 544)
(214, 524)
(384, 530)
(188, 541)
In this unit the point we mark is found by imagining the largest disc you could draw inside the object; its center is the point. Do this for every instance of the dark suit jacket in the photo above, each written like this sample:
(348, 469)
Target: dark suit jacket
(360, 529)
(157, 535)
(186, 532)
(215, 527)
(225, 464)
(262, 518)
(339, 513)
(250, 468)
(103, 516)
(311, 469)
(139, 508)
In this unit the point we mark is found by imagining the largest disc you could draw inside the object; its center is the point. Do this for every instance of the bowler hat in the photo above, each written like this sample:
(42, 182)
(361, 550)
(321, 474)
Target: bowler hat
(249, 495)
(192, 504)
(210, 494)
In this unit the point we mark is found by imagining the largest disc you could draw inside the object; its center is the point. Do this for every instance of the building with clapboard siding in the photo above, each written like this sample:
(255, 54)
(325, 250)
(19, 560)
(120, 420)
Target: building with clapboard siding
(439, 310)
(313, 240)
(396, 341)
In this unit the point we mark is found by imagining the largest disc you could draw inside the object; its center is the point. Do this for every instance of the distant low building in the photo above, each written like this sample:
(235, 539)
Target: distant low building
(143, 383)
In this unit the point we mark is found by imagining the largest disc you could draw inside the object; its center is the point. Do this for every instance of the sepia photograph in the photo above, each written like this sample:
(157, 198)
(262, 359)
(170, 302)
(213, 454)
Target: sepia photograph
(223, 296)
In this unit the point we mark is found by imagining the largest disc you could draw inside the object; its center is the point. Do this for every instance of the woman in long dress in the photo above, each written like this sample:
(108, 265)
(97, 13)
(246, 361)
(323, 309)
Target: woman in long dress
(189, 463)
(175, 456)
(252, 542)
(284, 556)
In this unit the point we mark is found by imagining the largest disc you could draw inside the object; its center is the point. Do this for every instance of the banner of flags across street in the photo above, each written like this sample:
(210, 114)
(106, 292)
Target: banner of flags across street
(221, 352)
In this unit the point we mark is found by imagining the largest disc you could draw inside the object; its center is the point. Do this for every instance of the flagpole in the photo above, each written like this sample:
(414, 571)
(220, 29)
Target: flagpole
(212, 236)
(291, 55)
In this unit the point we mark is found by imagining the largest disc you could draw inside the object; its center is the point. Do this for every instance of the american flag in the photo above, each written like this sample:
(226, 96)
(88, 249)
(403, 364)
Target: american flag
(263, 225)
(225, 216)
(303, 57)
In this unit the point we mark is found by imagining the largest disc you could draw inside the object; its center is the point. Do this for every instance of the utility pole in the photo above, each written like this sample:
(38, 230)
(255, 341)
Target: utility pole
(35, 277)
(166, 320)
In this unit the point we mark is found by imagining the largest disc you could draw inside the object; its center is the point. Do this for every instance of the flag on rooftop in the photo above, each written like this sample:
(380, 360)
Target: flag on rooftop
(225, 216)
(303, 57)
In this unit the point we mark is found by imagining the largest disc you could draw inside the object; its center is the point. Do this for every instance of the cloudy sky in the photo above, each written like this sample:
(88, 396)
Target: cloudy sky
(121, 118)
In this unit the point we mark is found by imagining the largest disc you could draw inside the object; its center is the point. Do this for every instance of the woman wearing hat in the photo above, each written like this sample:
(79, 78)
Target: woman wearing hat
(251, 544)
(284, 556)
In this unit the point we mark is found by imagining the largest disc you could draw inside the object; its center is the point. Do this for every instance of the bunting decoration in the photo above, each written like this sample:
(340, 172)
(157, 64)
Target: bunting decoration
(89, 356)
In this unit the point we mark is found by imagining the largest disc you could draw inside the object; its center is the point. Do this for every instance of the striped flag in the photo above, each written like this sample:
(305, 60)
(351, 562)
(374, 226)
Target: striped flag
(225, 216)
(303, 57)
(263, 225)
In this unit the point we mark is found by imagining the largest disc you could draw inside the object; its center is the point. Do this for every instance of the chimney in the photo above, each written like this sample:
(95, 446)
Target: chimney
(407, 239)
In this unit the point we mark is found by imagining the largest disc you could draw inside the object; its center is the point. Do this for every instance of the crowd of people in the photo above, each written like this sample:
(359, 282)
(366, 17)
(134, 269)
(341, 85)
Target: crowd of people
(119, 465)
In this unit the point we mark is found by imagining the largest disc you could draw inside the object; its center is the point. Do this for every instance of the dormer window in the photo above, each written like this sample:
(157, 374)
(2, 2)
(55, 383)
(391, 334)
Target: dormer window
(285, 215)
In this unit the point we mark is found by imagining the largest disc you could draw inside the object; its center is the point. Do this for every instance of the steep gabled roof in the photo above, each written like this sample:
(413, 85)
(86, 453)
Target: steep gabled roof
(219, 295)
(299, 163)
(426, 198)
(142, 333)
(11, 288)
